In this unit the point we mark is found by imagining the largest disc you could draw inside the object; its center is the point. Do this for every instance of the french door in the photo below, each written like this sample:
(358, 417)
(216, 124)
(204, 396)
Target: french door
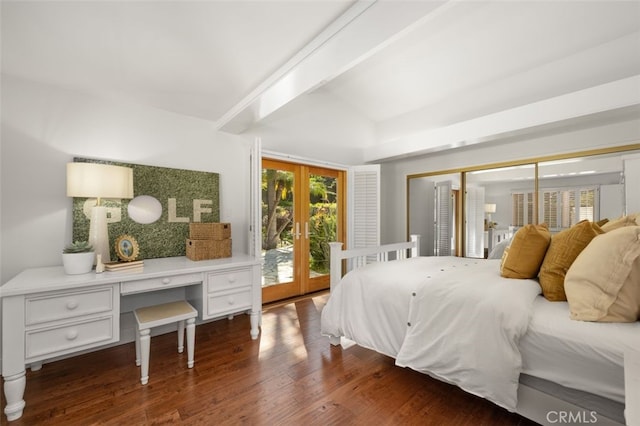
(302, 211)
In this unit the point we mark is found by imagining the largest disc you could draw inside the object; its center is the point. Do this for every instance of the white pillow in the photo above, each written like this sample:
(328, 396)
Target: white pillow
(603, 283)
(496, 252)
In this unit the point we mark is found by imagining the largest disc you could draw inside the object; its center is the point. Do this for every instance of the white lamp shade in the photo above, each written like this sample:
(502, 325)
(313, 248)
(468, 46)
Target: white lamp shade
(92, 180)
(489, 208)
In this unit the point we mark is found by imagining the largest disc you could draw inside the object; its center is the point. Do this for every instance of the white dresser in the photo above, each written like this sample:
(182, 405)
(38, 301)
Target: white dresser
(47, 314)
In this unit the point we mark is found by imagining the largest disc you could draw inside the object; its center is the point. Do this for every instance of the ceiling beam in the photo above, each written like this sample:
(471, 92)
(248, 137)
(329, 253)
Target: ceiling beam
(613, 96)
(364, 29)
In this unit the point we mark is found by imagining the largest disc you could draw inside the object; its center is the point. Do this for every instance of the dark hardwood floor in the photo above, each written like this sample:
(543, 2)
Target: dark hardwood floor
(289, 376)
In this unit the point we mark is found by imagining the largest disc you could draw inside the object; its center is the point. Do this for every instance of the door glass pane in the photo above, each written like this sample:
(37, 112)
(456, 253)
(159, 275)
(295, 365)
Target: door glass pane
(277, 226)
(322, 223)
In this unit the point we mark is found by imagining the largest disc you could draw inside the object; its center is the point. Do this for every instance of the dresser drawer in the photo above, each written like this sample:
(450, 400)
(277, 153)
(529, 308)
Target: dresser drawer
(229, 301)
(59, 306)
(54, 341)
(228, 279)
(151, 284)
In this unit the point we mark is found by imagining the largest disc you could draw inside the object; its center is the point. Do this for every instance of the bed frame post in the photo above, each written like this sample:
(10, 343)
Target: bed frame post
(335, 266)
(415, 250)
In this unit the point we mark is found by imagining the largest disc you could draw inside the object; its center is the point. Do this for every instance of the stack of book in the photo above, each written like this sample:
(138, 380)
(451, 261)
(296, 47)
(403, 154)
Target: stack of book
(133, 266)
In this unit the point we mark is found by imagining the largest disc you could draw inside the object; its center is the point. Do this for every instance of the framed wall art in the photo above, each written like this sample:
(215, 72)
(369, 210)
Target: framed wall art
(165, 201)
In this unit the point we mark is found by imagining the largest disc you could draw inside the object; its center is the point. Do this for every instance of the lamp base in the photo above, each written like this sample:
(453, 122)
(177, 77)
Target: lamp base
(98, 233)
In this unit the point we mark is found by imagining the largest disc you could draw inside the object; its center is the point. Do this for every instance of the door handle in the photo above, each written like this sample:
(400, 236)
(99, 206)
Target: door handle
(297, 233)
(306, 230)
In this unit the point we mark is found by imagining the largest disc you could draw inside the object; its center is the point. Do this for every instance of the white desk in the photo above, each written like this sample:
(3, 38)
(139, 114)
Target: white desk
(47, 314)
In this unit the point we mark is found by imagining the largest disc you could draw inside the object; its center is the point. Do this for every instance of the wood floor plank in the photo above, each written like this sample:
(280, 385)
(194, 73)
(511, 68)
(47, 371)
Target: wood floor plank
(290, 375)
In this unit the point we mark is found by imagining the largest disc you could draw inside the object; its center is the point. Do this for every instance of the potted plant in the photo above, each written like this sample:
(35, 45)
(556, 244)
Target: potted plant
(78, 258)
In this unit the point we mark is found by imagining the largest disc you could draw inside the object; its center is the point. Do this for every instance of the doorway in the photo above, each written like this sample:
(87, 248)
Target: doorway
(302, 211)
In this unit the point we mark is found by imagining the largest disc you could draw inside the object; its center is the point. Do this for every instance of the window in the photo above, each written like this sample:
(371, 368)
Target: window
(560, 208)
(550, 205)
(522, 208)
(563, 208)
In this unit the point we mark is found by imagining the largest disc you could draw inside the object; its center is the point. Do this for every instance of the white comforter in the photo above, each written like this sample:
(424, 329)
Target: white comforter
(453, 318)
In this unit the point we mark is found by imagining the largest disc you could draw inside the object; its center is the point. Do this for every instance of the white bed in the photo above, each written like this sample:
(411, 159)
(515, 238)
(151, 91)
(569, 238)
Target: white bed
(536, 362)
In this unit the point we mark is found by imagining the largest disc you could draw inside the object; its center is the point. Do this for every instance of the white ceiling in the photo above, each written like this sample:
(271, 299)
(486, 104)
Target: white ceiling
(376, 77)
(193, 58)
(482, 57)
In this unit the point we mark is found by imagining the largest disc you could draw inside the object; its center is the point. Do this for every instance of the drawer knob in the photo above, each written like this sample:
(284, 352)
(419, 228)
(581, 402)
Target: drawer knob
(72, 304)
(232, 278)
(231, 301)
(72, 334)
(166, 280)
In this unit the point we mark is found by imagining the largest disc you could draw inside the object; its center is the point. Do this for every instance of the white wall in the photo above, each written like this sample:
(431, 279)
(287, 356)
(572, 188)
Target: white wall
(319, 127)
(394, 202)
(44, 127)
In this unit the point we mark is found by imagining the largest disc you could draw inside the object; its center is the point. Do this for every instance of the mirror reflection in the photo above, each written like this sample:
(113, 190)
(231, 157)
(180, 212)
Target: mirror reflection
(433, 205)
(575, 189)
(498, 201)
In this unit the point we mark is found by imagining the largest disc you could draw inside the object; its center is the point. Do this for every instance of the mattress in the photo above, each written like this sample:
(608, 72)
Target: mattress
(579, 355)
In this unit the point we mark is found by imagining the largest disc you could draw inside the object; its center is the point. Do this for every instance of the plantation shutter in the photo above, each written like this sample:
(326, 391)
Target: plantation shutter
(568, 207)
(521, 208)
(563, 208)
(550, 207)
(444, 219)
(588, 203)
(517, 209)
(363, 210)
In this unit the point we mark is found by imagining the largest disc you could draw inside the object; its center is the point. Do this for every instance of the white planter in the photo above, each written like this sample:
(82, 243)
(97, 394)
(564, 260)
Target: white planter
(78, 263)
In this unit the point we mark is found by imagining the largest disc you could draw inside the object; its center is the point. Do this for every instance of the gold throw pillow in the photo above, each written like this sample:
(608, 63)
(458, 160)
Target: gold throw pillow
(526, 252)
(564, 248)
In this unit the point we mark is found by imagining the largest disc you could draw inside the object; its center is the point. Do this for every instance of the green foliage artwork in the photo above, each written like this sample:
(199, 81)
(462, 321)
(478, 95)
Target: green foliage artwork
(185, 196)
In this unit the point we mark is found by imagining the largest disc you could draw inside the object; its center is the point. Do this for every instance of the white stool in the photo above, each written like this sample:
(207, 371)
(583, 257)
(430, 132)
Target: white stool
(154, 316)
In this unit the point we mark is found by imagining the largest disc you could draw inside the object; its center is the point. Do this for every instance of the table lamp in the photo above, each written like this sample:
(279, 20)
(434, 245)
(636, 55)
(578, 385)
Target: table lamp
(93, 180)
(488, 209)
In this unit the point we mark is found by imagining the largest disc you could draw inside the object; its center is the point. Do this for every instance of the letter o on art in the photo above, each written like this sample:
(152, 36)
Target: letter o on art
(144, 209)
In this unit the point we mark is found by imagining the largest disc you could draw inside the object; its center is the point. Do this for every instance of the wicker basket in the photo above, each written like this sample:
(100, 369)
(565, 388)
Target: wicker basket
(209, 231)
(208, 249)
